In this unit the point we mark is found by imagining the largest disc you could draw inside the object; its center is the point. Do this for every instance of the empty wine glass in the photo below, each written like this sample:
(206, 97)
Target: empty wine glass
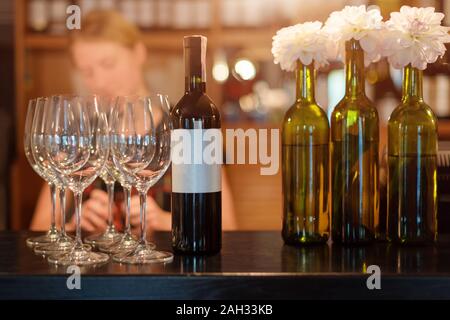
(128, 241)
(140, 146)
(77, 144)
(111, 235)
(64, 242)
(53, 233)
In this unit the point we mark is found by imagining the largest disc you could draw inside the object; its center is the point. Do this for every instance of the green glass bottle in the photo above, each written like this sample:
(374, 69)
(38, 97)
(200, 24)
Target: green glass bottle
(354, 136)
(305, 154)
(412, 153)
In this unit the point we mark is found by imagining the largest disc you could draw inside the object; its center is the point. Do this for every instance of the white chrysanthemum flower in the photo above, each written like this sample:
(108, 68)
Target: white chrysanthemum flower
(415, 36)
(359, 23)
(305, 42)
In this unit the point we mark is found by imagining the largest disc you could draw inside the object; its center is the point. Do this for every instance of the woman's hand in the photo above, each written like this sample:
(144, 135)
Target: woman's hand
(157, 218)
(94, 213)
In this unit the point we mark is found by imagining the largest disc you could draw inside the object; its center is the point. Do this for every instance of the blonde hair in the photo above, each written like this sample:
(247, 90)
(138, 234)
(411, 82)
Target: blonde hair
(107, 25)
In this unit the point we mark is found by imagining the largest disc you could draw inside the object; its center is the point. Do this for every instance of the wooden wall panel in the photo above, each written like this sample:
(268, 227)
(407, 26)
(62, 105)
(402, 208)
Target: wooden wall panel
(257, 198)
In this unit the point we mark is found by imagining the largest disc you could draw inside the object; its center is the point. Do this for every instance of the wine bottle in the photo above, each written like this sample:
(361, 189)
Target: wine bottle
(354, 136)
(196, 183)
(412, 153)
(305, 166)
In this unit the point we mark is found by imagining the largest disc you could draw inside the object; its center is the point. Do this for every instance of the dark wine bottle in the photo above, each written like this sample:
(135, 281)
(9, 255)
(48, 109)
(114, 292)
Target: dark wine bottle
(196, 182)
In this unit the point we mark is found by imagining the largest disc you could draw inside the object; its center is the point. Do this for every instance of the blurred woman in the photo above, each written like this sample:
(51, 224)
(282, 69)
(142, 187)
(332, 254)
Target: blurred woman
(109, 54)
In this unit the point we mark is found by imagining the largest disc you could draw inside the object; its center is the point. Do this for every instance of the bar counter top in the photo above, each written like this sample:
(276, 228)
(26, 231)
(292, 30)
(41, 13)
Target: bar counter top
(251, 265)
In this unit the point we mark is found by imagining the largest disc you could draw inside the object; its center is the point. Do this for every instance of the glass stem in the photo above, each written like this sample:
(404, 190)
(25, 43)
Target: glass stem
(143, 203)
(110, 190)
(78, 200)
(62, 204)
(127, 195)
(53, 209)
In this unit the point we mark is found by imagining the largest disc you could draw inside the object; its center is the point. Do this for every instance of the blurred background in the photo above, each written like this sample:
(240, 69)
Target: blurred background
(243, 81)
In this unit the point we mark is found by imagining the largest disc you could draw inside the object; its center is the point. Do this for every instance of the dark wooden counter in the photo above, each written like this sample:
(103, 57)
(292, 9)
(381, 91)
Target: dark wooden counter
(252, 265)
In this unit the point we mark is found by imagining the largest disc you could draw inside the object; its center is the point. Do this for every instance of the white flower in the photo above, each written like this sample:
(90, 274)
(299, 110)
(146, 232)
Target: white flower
(359, 23)
(305, 42)
(415, 36)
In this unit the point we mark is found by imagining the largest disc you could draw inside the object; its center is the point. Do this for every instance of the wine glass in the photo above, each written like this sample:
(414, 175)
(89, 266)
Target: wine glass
(77, 145)
(128, 241)
(38, 136)
(140, 146)
(53, 233)
(111, 235)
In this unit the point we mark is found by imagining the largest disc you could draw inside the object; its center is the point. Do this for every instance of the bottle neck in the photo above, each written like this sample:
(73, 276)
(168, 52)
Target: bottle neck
(354, 69)
(305, 83)
(195, 84)
(412, 84)
(195, 64)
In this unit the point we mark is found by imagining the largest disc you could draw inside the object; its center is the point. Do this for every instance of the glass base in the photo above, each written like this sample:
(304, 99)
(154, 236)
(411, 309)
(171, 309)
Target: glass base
(63, 244)
(51, 236)
(80, 257)
(109, 237)
(126, 244)
(144, 254)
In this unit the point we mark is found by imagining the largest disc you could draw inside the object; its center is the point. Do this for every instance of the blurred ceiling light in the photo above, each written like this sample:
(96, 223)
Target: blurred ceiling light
(220, 72)
(245, 69)
(220, 69)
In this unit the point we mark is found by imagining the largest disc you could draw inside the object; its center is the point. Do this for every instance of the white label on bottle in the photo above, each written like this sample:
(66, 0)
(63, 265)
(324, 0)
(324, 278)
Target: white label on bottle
(196, 160)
